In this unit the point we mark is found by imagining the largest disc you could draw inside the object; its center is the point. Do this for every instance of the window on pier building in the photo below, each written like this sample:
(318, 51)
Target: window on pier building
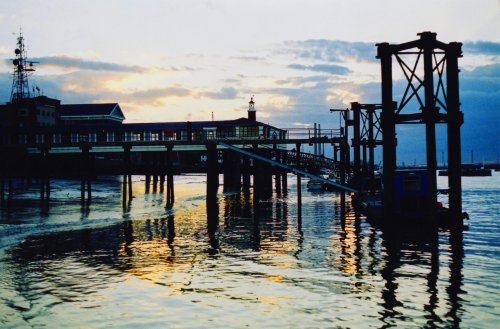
(226, 132)
(249, 132)
(169, 135)
(102, 136)
(136, 137)
(83, 137)
(155, 137)
(110, 136)
(118, 136)
(56, 138)
(39, 138)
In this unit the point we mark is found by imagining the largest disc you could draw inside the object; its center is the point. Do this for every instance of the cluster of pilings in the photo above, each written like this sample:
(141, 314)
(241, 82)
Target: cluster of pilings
(436, 94)
(18, 165)
(237, 172)
(429, 50)
(158, 173)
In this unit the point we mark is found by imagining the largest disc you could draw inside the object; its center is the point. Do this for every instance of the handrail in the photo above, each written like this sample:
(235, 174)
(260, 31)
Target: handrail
(284, 166)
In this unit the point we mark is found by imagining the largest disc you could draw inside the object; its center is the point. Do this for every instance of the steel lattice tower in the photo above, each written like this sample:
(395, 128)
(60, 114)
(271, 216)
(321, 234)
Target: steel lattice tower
(22, 70)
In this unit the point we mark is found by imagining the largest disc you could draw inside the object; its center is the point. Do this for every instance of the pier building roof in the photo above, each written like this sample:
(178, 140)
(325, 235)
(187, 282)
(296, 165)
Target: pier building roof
(91, 113)
(241, 122)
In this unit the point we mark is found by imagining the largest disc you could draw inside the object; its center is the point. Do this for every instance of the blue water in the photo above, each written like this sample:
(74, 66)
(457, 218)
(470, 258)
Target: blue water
(265, 265)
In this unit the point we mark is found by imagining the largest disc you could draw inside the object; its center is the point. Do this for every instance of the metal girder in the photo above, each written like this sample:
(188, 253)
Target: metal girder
(432, 85)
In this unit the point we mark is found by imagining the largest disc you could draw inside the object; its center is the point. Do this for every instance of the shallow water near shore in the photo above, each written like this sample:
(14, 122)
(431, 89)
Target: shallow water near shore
(267, 265)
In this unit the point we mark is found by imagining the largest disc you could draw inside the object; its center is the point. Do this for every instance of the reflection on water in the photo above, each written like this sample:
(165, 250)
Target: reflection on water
(234, 262)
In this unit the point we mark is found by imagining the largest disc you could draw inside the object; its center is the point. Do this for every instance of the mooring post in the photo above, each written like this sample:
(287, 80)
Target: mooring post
(284, 174)
(147, 183)
(277, 171)
(82, 188)
(455, 120)
(430, 117)
(47, 188)
(299, 183)
(212, 170)
(212, 215)
(347, 152)
(365, 163)
(146, 164)
(162, 171)
(356, 139)
(246, 172)
(277, 182)
(124, 189)
(127, 177)
(343, 165)
(90, 173)
(42, 189)
(156, 165)
(257, 176)
(83, 170)
(42, 170)
(371, 147)
(388, 125)
(170, 178)
(266, 175)
(130, 196)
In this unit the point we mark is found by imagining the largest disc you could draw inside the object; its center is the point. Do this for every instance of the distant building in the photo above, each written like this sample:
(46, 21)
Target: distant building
(39, 111)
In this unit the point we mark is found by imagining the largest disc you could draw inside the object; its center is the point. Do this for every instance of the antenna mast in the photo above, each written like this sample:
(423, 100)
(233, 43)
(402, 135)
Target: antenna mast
(22, 70)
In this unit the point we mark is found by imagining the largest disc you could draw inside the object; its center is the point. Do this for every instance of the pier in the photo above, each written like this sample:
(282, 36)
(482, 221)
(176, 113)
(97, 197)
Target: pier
(42, 138)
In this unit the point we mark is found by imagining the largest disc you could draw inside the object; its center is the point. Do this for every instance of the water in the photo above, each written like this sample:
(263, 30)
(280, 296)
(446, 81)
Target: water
(139, 266)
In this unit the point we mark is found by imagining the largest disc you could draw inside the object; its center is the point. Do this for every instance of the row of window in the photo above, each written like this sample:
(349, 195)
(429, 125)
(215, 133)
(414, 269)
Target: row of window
(50, 114)
(146, 136)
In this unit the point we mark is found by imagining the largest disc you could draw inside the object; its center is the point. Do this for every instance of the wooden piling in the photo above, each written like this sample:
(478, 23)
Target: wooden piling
(170, 177)
(212, 170)
(299, 183)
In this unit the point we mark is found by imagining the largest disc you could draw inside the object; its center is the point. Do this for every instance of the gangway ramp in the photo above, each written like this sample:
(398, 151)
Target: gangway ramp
(288, 167)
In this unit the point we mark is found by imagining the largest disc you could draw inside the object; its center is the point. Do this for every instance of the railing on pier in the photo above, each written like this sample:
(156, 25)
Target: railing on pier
(112, 135)
(309, 133)
(288, 167)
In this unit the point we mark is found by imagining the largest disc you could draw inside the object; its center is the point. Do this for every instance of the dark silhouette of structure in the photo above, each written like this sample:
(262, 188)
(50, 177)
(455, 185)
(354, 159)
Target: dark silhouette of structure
(431, 96)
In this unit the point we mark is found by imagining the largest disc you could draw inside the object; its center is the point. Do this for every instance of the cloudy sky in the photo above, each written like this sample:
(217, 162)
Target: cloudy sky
(178, 60)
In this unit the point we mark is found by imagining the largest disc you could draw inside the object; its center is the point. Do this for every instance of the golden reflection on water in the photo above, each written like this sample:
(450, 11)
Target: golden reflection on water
(344, 246)
(263, 257)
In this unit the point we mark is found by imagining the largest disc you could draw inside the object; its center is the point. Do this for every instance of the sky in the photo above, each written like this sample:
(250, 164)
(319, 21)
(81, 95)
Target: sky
(180, 60)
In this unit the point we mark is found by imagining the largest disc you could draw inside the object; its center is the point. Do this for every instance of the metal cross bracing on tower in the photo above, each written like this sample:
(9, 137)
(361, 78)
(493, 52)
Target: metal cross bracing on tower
(431, 96)
(343, 144)
(367, 134)
(22, 69)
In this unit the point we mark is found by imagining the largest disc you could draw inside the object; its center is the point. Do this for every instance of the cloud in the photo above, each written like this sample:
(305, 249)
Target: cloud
(223, 93)
(332, 50)
(154, 96)
(298, 81)
(249, 58)
(5, 87)
(75, 63)
(89, 87)
(482, 48)
(328, 68)
(67, 62)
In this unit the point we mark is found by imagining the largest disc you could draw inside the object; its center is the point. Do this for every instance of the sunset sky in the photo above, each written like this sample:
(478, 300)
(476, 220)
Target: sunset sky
(182, 60)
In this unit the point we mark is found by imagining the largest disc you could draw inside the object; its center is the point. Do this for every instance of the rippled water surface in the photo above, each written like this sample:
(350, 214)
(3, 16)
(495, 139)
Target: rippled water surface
(270, 264)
